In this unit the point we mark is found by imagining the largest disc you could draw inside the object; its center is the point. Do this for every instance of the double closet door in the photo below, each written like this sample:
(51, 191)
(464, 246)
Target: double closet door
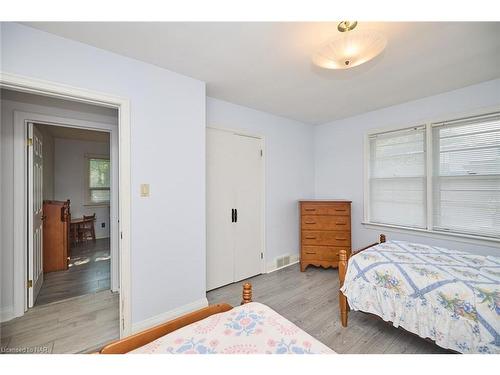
(234, 207)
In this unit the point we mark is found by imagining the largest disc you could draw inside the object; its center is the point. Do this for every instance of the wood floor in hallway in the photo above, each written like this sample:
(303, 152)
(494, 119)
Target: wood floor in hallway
(75, 325)
(88, 272)
(75, 310)
(310, 300)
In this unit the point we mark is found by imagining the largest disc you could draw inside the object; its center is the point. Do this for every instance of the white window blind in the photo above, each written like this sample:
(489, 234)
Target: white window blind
(397, 178)
(466, 182)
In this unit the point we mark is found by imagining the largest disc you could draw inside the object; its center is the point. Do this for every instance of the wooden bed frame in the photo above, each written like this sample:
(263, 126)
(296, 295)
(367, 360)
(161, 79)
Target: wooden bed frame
(142, 338)
(344, 305)
(343, 259)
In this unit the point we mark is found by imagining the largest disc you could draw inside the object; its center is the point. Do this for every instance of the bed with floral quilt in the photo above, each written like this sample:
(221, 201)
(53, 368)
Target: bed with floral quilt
(451, 297)
(251, 328)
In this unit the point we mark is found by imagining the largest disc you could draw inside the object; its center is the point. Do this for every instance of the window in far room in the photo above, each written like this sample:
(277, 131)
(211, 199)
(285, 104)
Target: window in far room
(98, 180)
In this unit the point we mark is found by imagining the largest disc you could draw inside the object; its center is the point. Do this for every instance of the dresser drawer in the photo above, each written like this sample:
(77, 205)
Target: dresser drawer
(331, 238)
(330, 253)
(339, 208)
(310, 253)
(323, 222)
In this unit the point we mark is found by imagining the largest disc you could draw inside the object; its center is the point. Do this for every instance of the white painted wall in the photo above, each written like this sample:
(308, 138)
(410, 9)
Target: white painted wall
(289, 169)
(15, 101)
(339, 154)
(167, 151)
(69, 179)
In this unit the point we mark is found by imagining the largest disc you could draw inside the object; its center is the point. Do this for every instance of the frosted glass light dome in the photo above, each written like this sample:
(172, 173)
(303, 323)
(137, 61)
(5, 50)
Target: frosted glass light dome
(350, 49)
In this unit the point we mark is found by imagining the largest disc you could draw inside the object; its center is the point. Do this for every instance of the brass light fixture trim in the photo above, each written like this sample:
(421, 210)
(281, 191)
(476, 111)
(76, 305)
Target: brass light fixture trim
(345, 26)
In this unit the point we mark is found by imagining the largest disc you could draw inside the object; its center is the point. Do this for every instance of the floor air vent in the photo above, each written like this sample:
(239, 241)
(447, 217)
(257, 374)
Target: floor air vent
(283, 261)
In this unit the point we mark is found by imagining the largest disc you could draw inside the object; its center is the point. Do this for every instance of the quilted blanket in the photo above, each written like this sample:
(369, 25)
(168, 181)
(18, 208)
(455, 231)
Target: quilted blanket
(449, 296)
(252, 328)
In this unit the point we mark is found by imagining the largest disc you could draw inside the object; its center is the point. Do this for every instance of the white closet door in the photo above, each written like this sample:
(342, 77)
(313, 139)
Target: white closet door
(220, 201)
(248, 179)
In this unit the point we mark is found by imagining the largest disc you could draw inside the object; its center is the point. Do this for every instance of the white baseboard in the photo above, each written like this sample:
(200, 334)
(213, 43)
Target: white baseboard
(271, 266)
(169, 315)
(6, 314)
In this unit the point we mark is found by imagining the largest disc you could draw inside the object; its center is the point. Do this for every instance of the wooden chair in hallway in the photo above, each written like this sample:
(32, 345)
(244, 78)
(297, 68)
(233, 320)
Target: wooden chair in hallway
(86, 229)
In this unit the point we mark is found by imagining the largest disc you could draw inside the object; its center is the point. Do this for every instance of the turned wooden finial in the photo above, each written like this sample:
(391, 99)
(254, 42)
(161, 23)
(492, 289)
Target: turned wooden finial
(343, 255)
(382, 238)
(247, 293)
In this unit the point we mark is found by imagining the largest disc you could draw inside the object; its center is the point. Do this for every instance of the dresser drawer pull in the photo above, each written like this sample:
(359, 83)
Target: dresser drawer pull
(340, 210)
(310, 222)
(340, 223)
(310, 209)
(310, 253)
(310, 238)
(340, 238)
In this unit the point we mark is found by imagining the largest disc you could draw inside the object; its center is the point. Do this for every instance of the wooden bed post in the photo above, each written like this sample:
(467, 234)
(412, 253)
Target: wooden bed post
(343, 258)
(247, 293)
(344, 307)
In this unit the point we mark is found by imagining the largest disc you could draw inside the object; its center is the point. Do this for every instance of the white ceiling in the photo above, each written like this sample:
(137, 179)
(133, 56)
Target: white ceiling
(267, 66)
(76, 134)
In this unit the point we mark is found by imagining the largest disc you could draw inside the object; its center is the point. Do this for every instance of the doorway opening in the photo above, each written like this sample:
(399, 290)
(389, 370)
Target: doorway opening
(70, 195)
(73, 296)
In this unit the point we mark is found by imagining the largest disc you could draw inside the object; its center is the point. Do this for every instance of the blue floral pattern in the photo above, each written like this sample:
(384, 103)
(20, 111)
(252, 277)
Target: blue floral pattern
(289, 347)
(252, 328)
(450, 296)
(245, 322)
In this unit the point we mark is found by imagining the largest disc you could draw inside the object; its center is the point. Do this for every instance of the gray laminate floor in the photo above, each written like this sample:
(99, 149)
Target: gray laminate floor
(310, 300)
(79, 324)
(88, 272)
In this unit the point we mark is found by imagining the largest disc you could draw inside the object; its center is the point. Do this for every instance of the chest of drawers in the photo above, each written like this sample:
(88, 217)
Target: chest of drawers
(325, 229)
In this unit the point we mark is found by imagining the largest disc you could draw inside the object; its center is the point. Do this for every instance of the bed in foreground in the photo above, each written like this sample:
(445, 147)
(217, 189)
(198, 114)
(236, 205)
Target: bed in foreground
(448, 296)
(252, 328)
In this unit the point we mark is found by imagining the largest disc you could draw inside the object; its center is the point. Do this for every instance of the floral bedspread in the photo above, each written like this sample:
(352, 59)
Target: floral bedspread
(252, 328)
(449, 296)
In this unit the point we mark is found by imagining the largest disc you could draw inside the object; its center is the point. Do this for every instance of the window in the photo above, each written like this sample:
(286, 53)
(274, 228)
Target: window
(467, 176)
(456, 178)
(397, 178)
(98, 178)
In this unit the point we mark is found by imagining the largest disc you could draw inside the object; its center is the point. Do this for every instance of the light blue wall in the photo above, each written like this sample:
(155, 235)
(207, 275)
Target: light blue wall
(167, 151)
(339, 153)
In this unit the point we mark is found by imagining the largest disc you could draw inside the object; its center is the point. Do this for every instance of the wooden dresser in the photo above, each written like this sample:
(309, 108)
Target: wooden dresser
(56, 243)
(325, 229)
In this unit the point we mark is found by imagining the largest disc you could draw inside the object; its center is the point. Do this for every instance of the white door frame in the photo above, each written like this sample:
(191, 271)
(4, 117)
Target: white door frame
(20, 122)
(263, 188)
(51, 89)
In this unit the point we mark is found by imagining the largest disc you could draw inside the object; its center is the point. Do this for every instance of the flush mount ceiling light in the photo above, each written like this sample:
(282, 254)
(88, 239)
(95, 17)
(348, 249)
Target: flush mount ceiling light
(351, 48)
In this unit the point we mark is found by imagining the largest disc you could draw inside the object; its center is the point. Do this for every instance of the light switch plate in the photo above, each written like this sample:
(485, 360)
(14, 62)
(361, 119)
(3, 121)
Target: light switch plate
(145, 190)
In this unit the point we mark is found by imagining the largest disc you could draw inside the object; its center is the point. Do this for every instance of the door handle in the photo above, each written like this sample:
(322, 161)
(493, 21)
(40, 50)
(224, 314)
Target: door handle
(235, 215)
(232, 215)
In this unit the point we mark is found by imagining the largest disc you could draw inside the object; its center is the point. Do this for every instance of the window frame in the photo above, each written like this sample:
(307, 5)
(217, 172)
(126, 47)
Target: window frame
(87, 189)
(429, 170)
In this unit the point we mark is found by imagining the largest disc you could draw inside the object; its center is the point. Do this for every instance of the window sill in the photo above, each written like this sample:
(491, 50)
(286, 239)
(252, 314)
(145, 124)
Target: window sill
(457, 237)
(106, 204)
